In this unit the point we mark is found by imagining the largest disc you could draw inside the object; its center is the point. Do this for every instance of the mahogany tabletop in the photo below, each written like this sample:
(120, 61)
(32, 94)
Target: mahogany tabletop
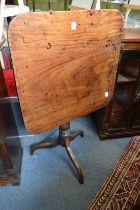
(64, 63)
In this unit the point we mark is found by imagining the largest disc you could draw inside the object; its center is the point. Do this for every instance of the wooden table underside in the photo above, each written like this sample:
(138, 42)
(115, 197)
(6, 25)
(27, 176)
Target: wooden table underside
(63, 73)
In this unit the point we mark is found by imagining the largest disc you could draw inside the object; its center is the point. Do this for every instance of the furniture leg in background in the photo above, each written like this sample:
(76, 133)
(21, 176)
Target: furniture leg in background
(10, 175)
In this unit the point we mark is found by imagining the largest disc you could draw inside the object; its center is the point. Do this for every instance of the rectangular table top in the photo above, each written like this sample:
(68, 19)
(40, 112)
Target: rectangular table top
(64, 64)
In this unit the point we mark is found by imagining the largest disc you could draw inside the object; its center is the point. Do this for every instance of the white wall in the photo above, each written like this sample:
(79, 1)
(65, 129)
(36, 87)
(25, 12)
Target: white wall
(135, 2)
(83, 3)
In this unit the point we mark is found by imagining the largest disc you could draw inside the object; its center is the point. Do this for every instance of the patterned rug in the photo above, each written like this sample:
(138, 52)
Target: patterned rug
(121, 190)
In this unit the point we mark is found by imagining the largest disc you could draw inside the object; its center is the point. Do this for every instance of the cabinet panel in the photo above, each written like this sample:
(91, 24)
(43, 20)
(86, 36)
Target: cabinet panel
(121, 117)
(10, 146)
(136, 124)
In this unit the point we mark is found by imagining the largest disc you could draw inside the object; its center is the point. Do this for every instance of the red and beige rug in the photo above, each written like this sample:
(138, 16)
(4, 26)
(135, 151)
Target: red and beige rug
(121, 190)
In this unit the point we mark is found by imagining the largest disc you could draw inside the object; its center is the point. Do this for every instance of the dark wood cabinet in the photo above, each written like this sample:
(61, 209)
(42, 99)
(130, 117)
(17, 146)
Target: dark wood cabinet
(10, 154)
(121, 117)
(10, 146)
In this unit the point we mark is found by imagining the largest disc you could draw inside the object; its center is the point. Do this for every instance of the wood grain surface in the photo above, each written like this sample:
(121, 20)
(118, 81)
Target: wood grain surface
(63, 73)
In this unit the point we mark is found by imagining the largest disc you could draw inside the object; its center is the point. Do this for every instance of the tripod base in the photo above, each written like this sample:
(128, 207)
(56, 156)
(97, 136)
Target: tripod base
(64, 139)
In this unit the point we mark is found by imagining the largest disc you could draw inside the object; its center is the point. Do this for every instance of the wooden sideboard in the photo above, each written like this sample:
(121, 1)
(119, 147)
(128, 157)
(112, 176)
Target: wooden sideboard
(121, 117)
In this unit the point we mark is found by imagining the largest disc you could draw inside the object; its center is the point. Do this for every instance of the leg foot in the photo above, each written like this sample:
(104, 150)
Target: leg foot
(74, 161)
(43, 144)
(73, 135)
